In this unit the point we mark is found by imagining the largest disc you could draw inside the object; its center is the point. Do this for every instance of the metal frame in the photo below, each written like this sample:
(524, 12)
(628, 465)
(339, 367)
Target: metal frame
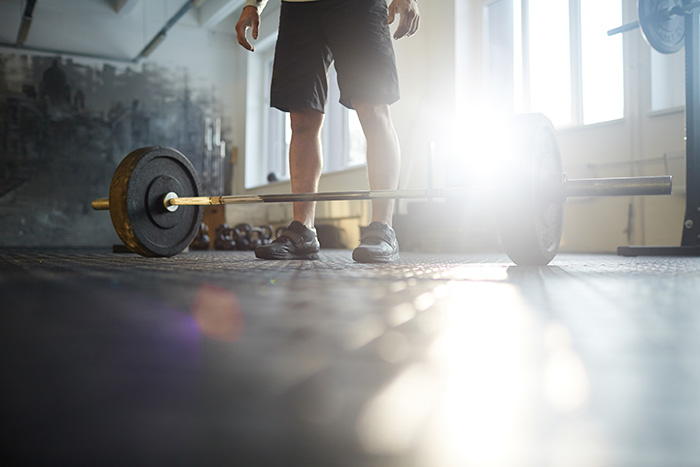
(691, 230)
(690, 240)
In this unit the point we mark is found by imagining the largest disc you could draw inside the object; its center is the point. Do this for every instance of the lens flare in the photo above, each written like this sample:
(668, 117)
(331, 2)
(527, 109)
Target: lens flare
(218, 313)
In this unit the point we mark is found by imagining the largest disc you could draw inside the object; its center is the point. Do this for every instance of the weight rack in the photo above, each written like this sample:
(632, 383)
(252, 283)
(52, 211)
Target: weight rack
(690, 241)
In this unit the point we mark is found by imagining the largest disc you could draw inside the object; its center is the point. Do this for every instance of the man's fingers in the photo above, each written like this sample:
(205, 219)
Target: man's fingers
(401, 30)
(408, 25)
(242, 39)
(249, 19)
(247, 45)
(392, 14)
(414, 26)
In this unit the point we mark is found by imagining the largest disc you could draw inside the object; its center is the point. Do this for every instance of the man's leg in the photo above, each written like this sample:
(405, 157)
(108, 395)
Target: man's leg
(383, 156)
(378, 243)
(305, 160)
(299, 240)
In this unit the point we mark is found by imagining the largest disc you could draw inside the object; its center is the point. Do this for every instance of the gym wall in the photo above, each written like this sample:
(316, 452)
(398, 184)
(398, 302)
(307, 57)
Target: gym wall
(53, 162)
(66, 122)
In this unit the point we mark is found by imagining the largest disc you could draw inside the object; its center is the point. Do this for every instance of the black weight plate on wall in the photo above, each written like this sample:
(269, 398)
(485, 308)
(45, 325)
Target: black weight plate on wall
(136, 195)
(531, 213)
(664, 32)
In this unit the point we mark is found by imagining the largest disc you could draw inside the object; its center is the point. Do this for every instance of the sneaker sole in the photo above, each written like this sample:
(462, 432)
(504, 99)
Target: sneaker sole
(368, 259)
(309, 256)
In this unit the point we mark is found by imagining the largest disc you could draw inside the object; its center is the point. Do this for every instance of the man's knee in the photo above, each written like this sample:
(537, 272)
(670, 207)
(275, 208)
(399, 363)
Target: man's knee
(372, 112)
(306, 121)
(373, 116)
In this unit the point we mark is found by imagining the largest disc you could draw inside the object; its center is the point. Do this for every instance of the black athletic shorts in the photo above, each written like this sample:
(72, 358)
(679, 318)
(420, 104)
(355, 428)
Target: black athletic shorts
(313, 34)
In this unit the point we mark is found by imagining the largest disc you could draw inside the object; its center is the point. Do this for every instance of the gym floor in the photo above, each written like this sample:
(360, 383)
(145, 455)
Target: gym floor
(216, 358)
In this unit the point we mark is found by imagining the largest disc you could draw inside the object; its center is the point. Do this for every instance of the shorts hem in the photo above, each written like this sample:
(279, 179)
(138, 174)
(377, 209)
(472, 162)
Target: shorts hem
(286, 106)
(381, 100)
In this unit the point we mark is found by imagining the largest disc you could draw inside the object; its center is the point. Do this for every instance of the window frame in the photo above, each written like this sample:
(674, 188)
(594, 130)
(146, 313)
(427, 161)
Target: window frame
(521, 79)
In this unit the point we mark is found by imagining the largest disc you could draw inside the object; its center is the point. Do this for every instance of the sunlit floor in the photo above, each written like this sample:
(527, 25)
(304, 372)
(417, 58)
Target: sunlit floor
(215, 358)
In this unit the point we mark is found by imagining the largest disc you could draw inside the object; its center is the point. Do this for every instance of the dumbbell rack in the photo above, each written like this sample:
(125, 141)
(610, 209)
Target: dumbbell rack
(690, 241)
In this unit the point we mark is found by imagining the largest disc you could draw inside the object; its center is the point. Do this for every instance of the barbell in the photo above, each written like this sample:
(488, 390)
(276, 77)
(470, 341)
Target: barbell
(662, 23)
(155, 196)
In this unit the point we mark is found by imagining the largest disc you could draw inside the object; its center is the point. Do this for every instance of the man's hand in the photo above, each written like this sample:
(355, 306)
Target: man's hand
(410, 17)
(249, 19)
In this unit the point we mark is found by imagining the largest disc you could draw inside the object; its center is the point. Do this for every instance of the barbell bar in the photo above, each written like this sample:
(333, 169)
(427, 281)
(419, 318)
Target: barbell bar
(155, 196)
(570, 188)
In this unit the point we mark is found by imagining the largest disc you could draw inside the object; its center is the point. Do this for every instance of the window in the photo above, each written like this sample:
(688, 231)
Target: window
(549, 49)
(276, 132)
(602, 83)
(560, 60)
(343, 141)
(499, 61)
(667, 81)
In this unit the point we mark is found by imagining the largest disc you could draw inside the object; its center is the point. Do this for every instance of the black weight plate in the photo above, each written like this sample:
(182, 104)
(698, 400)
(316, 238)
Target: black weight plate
(154, 199)
(531, 213)
(136, 195)
(663, 31)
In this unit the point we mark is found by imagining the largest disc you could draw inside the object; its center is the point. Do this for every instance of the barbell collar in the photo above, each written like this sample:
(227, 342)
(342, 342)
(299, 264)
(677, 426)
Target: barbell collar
(100, 204)
(624, 28)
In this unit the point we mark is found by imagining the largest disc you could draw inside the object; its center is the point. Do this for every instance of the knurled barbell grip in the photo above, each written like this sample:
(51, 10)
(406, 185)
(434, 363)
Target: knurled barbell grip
(322, 196)
(585, 187)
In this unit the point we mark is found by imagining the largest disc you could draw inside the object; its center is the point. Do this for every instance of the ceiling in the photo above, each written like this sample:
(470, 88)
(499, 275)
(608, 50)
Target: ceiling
(129, 25)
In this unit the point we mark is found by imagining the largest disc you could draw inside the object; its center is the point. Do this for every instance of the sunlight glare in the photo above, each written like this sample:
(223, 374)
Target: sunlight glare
(486, 359)
(393, 418)
(566, 381)
(478, 137)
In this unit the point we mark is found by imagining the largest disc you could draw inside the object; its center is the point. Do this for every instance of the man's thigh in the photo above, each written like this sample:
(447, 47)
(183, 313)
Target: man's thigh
(359, 37)
(302, 58)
